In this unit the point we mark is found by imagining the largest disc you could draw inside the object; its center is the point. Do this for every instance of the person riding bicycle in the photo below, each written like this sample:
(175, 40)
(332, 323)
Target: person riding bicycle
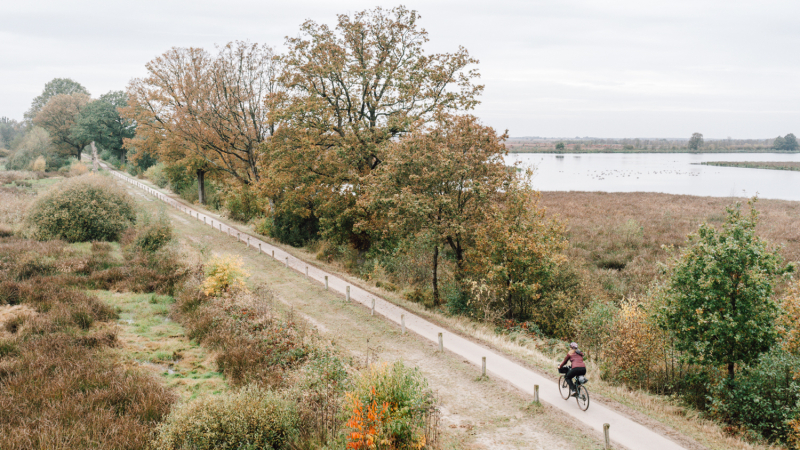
(577, 368)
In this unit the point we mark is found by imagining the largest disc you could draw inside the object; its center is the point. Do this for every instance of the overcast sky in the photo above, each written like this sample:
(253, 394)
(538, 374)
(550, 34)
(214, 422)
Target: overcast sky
(551, 68)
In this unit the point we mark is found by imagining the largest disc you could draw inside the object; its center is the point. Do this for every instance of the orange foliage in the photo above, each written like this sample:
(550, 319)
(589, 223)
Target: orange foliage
(365, 427)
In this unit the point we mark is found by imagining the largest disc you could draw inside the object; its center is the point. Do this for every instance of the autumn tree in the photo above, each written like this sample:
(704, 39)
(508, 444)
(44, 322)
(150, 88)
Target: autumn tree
(212, 109)
(720, 308)
(696, 141)
(9, 130)
(56, 86)
(352, 89)
(442, 179)
(59, 117)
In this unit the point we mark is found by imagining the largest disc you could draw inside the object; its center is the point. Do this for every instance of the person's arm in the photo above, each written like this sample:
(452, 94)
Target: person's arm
(566, 358)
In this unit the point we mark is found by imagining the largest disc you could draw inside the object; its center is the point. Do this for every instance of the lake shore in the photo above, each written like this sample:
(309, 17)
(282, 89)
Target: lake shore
(771, 165)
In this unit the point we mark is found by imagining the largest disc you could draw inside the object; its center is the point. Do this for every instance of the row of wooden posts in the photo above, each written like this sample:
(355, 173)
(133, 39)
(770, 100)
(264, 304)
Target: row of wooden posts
(189, 211)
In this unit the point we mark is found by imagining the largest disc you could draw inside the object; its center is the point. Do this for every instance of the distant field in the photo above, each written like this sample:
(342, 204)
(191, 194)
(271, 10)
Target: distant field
(774, 165)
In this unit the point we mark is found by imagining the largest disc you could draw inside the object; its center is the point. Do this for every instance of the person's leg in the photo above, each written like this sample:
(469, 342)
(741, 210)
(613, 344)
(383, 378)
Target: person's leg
(569, 376)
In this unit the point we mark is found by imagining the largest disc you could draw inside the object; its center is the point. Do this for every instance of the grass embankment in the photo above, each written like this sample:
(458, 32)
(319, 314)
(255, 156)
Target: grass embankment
(773, 165)
(616, 240)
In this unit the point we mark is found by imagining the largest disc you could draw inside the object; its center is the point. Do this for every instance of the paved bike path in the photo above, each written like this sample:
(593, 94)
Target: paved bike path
(623, 431)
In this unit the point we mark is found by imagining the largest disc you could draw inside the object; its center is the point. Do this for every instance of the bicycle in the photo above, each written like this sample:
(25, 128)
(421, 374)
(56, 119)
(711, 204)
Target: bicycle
(583, 393)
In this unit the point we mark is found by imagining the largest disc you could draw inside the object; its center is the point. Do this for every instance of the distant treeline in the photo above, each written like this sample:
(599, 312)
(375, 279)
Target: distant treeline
(597, 145)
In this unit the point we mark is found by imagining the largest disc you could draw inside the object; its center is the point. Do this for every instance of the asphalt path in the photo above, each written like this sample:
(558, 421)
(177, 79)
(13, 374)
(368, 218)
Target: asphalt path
(624, 431)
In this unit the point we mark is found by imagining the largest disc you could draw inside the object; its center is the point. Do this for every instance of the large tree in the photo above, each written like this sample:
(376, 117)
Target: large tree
(56, 86)
(720, 307)
(440, 179)
(352, 89)
(9, 130)
(695, 142)
(59, 117)
(212, 109)
(101, 122)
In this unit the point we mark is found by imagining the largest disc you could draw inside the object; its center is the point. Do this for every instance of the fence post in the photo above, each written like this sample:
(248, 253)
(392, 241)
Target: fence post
(441, 343)
(287, 261)
(372, 312)
(248, 241)
(273, 253)
(536, 393)
(403, 323)
(204, 220)
(605, 433)
(483, 366)
(347, 293)
(259, 247)
(306, 271)
(326, 282)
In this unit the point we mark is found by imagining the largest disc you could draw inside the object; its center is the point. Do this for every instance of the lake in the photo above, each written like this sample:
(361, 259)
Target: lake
(670, 173)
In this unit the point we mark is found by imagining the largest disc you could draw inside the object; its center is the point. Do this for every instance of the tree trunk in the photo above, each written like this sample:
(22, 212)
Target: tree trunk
(435, 275)
(201, 186)
(730, 370)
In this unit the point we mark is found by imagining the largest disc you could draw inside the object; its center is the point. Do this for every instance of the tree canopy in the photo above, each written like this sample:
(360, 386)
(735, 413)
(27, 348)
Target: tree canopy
(100, 121)
(54, 87)
(695, 142)
(719, 303)
(59, 117)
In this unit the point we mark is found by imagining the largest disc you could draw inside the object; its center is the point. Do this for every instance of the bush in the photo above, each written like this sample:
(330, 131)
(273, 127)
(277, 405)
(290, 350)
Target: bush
(293, 229)
(764, 397)
(89, 208)
(40, 165)
(153, 235)
(390, 403)
(224, 274)
(252, 418)
(157, 175)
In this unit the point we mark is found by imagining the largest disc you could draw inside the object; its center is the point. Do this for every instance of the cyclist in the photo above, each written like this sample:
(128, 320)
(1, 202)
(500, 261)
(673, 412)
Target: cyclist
(577, 368)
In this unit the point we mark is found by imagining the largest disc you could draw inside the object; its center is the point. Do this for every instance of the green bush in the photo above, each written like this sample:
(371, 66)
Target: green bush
(251, 418)
(763, 397)
(157, 175)
(293, 229)
(81, 209)
(152, 235)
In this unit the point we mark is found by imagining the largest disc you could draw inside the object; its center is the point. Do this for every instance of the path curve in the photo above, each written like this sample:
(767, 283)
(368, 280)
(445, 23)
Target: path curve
(624, 431)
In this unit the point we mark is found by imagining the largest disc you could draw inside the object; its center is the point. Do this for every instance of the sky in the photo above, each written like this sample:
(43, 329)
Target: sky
(567, 68)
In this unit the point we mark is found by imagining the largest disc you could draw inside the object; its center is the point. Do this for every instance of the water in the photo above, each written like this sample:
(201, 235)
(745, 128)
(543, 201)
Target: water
(672, 173)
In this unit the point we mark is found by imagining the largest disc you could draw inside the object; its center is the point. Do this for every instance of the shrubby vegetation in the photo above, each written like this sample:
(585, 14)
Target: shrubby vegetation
(82, 209)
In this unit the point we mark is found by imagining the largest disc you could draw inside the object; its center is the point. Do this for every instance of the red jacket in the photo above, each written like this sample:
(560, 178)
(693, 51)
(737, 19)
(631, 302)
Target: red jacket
(576, 358)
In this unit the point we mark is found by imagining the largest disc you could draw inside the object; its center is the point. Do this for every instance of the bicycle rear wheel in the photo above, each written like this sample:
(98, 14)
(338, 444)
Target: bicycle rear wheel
(563, 387)
(583, 398)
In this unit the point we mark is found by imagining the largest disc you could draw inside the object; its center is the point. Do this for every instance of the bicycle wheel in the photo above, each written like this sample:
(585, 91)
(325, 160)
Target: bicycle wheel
(583, 398)
(563, 387)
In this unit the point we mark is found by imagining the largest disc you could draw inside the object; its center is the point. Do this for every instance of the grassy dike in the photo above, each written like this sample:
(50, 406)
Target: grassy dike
(657, 412)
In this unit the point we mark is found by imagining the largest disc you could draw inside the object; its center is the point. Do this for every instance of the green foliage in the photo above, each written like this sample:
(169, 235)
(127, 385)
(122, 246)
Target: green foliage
(560, 146)
(719, 306)
(695, 142)
(81, 209)
(35, 143)
(787, 143)
(152, 235)
(403, 394)
(157, 175)
(242, 205)
(765, 397)
(593, 326)
(292, 228)
(100, 122)
(252, 418)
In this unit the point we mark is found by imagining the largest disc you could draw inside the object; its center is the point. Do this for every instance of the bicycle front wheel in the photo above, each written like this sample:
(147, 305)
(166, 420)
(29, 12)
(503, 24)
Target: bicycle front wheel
(563, 388)
(583, 398)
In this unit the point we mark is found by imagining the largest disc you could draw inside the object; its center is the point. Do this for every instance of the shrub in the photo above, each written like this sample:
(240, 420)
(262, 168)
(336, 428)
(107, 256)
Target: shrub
(252, 418)
(157, 175)
(293, 229)
(224, 274)
(153, 235)
(390, 403)
(765, 397)
(89, 208)
(39, 165)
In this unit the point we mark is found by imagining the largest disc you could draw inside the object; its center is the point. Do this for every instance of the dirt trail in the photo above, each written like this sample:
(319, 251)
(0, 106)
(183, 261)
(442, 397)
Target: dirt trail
(494, 405)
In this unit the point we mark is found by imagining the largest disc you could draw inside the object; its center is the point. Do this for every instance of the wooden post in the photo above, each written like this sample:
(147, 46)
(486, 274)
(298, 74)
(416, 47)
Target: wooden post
(273, 253)
(326, 282)
(238, 237)
(441, 343)
(347, 293)
(306, 271)
(287, 261)
(204, 220)
(259, 247)
(372, 312)
(536, 393)
(248, 241)
(605, 433)
(403, 323)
